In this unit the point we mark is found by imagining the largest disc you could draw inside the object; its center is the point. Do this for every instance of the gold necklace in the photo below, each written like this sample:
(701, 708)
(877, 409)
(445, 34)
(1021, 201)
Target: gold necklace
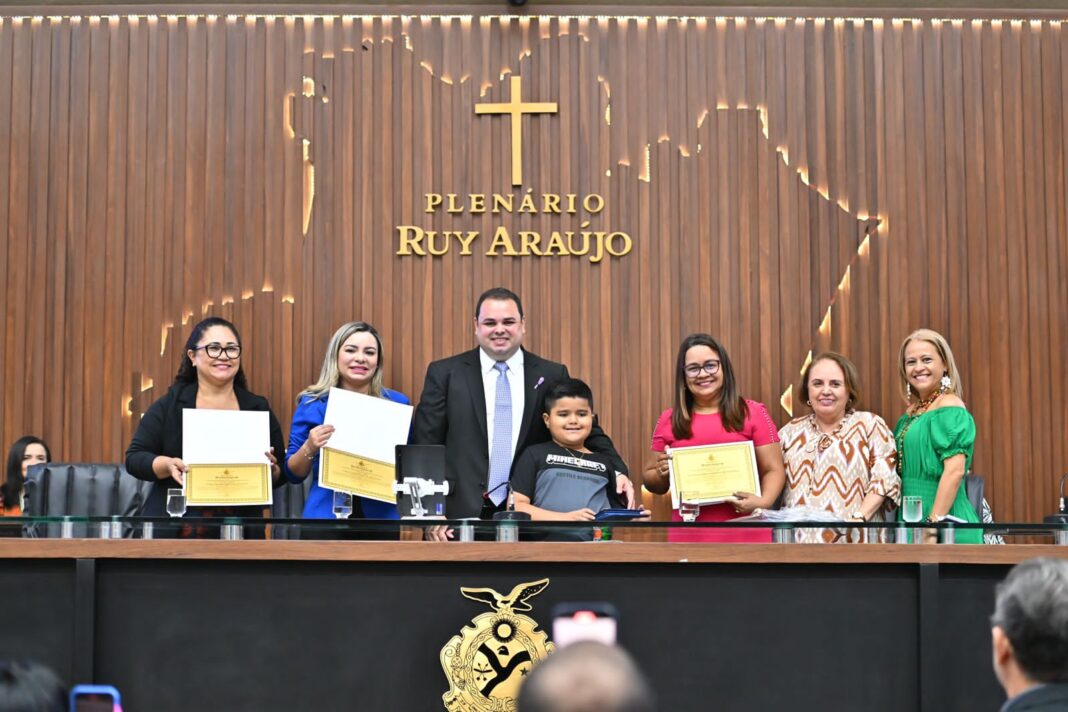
(921, 408)
(827, 439)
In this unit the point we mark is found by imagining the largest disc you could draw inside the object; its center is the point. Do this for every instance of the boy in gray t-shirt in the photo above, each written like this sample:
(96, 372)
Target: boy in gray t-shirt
(562, 479)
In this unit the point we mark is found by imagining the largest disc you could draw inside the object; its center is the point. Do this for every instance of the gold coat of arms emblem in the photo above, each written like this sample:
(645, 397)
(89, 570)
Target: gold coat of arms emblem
(487, 662)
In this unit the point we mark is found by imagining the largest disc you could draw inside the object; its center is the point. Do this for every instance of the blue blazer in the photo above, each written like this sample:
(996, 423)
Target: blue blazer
(320, 502)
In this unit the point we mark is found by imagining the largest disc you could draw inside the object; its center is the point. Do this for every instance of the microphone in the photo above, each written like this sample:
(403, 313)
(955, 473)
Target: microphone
(508, 513)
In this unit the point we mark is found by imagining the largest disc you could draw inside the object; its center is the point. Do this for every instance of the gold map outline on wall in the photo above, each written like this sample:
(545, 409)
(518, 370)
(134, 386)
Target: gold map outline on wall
(869, 226)
(487, 661)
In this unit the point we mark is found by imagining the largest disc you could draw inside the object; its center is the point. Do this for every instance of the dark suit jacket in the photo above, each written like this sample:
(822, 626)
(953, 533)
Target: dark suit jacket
(160, 433)
(1045, 698)
(452, 412)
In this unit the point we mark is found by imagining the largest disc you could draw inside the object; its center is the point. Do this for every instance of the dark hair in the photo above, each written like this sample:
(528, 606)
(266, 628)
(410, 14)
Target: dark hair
(849, 371)
(500, 294)
(12, 486)
(186, 371)
(26, 686)
(732, 407)
(1031, 607)
(567, 388)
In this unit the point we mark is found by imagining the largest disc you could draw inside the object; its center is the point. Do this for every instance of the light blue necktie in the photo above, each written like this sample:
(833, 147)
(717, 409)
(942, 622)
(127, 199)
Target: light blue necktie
(501, 451)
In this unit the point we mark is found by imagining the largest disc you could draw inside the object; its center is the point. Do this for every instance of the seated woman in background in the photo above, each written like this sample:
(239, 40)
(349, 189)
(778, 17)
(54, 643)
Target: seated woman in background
(838, 459)
(353, 362)
(24, 453)
(936, 435)
(708, 411)
(210, 376)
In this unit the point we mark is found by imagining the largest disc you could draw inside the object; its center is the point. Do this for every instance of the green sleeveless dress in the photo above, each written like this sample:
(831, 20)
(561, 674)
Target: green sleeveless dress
(933, 437)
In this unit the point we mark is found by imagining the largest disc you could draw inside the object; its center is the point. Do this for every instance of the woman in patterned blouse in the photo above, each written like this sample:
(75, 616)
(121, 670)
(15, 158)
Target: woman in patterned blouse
(837, 458)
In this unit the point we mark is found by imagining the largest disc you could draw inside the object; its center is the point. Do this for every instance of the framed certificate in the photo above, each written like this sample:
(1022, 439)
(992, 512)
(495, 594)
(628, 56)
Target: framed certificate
(713, 473)
(358, 475)
(228, 485)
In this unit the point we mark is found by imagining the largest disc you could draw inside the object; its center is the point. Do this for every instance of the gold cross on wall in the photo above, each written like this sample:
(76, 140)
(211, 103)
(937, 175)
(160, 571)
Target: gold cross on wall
(516, 108)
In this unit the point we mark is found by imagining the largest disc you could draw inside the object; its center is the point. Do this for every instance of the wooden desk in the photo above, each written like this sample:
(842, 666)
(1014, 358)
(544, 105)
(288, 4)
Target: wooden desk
(320, 625)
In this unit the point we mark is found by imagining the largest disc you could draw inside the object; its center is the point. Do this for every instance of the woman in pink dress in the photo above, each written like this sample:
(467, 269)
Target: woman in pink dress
(709, 411)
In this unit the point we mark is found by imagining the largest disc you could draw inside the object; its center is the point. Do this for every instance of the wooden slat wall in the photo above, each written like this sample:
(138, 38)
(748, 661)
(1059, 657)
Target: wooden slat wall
(148, 176)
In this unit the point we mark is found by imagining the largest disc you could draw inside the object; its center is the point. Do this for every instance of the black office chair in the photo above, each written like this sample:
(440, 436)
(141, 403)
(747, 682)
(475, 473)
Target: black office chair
(974, 488)
(289, 504)
(83, 490)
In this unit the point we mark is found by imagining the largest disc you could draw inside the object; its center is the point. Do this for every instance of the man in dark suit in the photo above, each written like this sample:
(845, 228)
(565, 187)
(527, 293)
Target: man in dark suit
(485, 405)
(1030, 636)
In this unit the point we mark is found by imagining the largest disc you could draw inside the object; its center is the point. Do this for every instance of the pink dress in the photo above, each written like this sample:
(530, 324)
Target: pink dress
(707, 429)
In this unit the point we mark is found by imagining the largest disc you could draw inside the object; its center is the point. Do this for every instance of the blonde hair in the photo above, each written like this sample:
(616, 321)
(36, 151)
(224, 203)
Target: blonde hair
(329, 376)
(942, 346)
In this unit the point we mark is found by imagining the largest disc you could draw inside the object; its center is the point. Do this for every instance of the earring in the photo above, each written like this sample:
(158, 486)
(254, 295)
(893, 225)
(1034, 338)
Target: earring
(908, 391)
(808, 403)
(946, 383)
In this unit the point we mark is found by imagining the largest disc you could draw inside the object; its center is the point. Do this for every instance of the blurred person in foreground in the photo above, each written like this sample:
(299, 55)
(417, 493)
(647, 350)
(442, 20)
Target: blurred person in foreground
(586, 677)
(26, 686)
(1029, 631)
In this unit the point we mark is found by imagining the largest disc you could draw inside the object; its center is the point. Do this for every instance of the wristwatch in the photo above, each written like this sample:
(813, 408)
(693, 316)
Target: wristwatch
(933, 519)
(858, 514)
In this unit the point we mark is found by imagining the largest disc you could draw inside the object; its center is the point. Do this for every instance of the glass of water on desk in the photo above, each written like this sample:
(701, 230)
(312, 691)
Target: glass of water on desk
(912, 512)
(176, 502)
(342, 504)
(688, 508)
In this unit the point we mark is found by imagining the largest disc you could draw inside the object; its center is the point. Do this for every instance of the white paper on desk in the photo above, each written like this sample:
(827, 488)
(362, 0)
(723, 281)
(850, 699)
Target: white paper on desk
(367, 426)
(225, 437)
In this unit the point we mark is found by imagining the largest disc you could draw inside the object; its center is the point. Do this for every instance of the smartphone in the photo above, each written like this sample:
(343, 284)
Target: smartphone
(573, 622)
(95, 698)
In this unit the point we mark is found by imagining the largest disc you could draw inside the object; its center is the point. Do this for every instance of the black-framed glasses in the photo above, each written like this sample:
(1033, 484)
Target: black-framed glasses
(215, 350)
(694, 369)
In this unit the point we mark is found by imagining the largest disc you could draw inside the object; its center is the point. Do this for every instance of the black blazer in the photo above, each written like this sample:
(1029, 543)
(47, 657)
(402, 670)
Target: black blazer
(160, 433)
(1046, 698)
(452, 412)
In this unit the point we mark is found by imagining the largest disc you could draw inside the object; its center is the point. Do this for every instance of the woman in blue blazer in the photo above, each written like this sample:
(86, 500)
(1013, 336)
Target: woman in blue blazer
(353, 362)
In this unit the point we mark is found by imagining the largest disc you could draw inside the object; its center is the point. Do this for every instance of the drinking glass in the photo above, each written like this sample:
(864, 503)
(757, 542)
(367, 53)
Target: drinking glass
(342, 504)
(176, 502)
(688, 508)
(912, 512)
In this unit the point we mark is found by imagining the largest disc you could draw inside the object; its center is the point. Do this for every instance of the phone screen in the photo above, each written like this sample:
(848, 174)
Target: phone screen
(584, 624)
(95, 698)
(93, 702)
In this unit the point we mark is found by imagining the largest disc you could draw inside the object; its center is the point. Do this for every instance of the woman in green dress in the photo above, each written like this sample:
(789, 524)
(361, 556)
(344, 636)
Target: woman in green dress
(936, 435)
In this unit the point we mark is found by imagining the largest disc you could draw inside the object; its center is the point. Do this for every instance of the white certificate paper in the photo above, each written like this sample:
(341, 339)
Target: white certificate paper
(225, 437)
(367, 426)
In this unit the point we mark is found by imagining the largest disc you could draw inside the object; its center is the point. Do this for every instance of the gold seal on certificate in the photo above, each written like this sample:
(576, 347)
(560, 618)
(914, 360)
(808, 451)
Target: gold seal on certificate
(228, 485)
(713, 473)
(357, 475)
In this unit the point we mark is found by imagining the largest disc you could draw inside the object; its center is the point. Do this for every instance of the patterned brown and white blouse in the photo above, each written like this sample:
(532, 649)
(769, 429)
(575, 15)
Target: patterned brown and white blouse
(860, 459)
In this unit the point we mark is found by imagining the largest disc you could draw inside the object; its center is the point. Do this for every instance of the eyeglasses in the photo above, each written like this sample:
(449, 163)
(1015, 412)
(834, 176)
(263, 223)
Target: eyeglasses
(694, 370)
(214, 350)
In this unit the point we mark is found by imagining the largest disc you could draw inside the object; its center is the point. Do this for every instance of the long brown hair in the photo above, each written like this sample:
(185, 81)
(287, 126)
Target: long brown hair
(732, 408)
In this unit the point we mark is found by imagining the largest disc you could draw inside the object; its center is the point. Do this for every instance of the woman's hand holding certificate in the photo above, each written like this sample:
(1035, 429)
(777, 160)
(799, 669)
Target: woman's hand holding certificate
(227, 457)
(361, 457)
(716, 473)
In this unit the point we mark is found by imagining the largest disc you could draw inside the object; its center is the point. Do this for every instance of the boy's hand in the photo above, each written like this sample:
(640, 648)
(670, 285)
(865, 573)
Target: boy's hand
(625, 487)
(580, 515)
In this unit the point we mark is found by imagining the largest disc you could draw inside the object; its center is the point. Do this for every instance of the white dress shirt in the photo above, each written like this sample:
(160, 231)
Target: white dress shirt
(515, 383)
